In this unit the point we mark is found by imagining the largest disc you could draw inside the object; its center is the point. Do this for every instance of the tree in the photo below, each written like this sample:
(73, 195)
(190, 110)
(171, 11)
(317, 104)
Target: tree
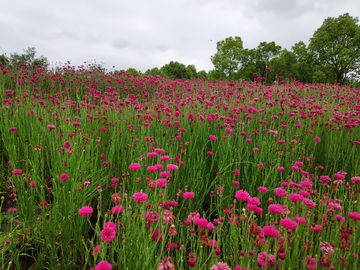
(227, 58)
(337, 44)
(191, 72)
(201, 74)
(153, 72)
(133, 71)
(29, 57)
(174, 70)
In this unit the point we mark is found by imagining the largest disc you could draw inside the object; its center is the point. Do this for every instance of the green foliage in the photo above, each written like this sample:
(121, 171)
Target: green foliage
(133, 71)
(227, 58)
(29, 57)
(337, 44)
(174, 70)
(153, 72)
(3, 59)
(191, 72)
(201, 74)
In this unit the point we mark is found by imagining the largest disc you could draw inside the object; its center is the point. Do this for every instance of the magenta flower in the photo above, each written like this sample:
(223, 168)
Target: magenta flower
(220, 266)
(271, 231)
(139, 197)
(288, 223)
(161, 182)
(76, 124)
(13, 129)
(210, 153)
(85, 211)
(64, 177)
(17, 172)
(201, 222)
(280, 192)
(108, 234)
(117, 209)
(280, 169)
(237, 172)
(242, 195)
(265, 259)
(262, 189)
(294, 197)
(317, 139)
(51, 127)
(212, 137)
(172, 167)
(134, 166)
(275, 208)
(103, 266)
(310, 263)
(188, 195)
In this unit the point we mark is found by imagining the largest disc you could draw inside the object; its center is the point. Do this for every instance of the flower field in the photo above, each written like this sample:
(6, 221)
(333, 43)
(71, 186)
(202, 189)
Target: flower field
(106, 170)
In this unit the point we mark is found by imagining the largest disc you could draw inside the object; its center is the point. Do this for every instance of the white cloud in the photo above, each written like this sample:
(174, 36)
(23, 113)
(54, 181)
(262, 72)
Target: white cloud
(146, 34)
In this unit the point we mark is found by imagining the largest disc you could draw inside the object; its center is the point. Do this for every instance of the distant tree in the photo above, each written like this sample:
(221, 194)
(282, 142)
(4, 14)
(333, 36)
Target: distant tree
(215, 75)
(337, 44)
(153, 72)
(3, 60)
(29, 57)
(201, 74)
(174, 70)
(227, 58)
(133, 71)
(191, 72)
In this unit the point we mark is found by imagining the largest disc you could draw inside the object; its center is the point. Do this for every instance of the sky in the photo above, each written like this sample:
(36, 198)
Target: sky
(144, 34)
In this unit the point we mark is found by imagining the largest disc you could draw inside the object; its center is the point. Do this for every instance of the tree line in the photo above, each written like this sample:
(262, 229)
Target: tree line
(333, 55)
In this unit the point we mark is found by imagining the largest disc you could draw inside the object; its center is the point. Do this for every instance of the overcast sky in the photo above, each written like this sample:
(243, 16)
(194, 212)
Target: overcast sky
(151, 33)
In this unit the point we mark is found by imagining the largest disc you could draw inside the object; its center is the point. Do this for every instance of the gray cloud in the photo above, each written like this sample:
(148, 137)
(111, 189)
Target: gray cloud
(146, 34)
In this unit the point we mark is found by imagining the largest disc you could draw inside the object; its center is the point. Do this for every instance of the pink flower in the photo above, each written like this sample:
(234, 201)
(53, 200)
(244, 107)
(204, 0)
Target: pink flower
(108, 234)
(156, 236)
(210, 153)
(76, 124)
(288, 223)
(237, 172)
(164, 158)
(51, 127)
(220, 266)
(299, 163)
(242, 195)
(85, 211)
(317, 139)
(236, 183)
(139, 197)
(310, 263)
(265, 259)
(134, 166)
(103, 128)
(212, 243)
(66, 144)
(172, 167)
(103, 266)
(188, 195)
(161, 182)
(117, 209)
(316, 229)
(212, 137)
(17, 172)
(32, 184)
(279, 169)
(71, 135)
(13, 129)
(262, 189)
(280, 192)
(96, 250)
(165, 174)
(201, 222)
(294, 197)
(255, 149)
(340, 218)
(354, 215)
(64, 177)
(275, 208)
(271, 231)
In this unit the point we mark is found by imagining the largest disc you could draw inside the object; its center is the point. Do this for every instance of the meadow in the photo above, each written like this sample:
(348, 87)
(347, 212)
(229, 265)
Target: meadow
(106, 170)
